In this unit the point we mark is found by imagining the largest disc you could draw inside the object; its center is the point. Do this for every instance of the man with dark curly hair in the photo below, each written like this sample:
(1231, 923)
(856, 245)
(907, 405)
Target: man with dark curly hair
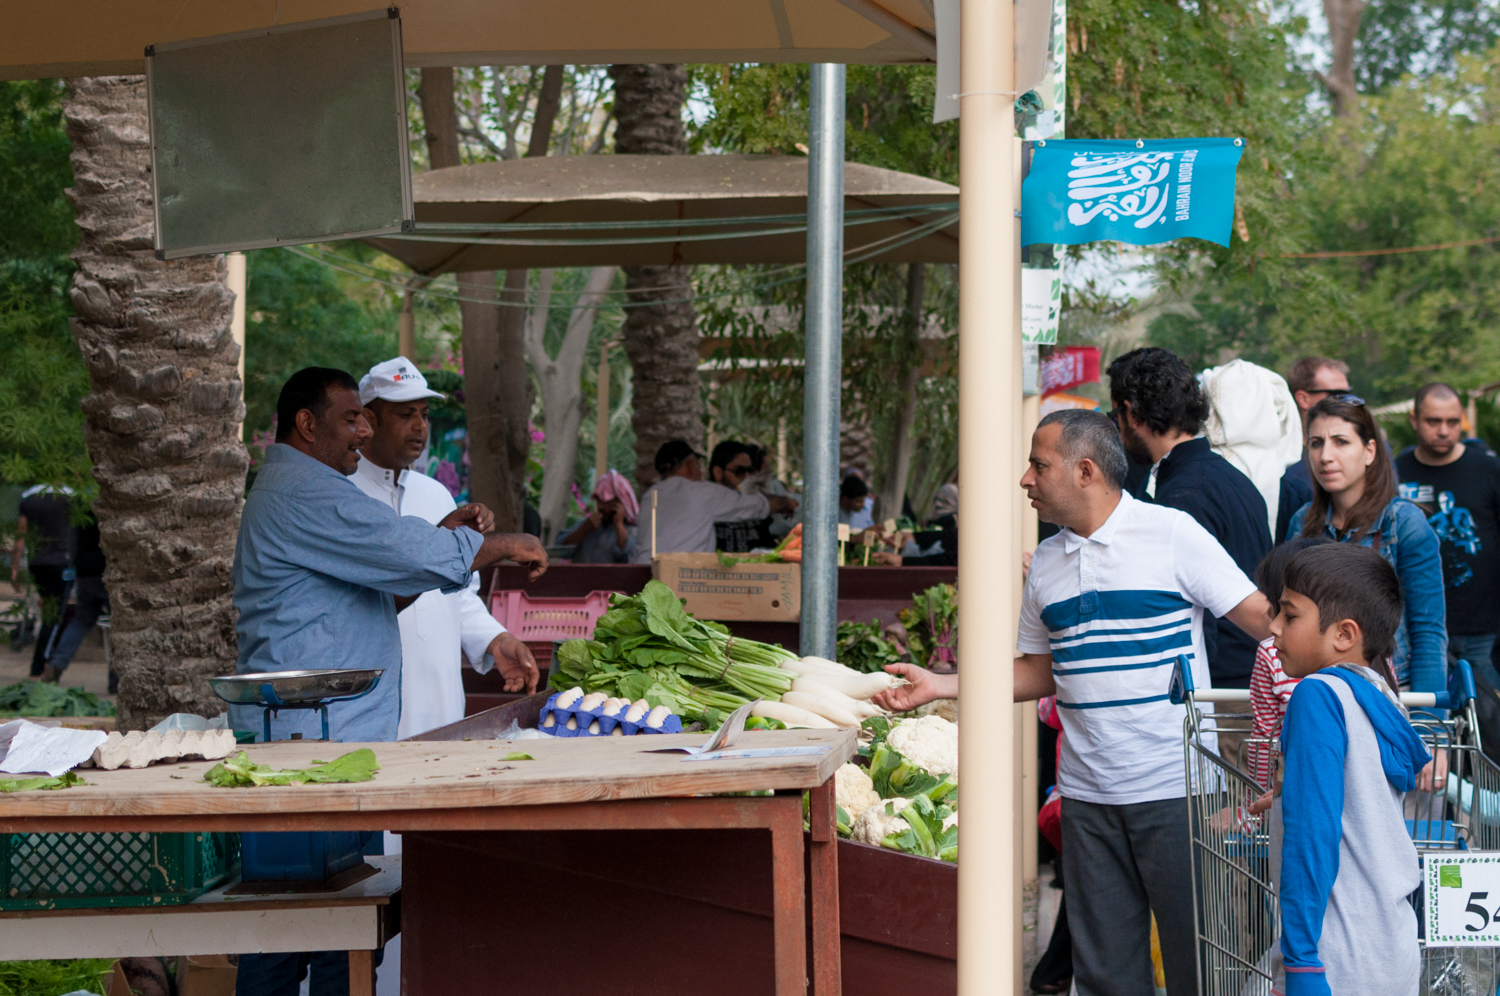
(1160, 410)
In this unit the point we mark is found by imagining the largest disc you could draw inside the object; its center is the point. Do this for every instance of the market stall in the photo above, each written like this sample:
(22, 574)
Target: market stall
(461, 791)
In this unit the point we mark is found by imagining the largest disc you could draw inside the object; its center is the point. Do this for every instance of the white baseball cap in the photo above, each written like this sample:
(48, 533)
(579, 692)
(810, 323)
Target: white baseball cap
(395, 380)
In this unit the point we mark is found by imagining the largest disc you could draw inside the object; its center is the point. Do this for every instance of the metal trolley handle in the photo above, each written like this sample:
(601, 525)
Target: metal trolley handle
(1459, 694)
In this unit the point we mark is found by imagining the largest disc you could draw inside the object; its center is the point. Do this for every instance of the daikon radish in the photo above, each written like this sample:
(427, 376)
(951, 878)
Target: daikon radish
(790, 715)
(813, 686)
(827, 708)
(852, 683)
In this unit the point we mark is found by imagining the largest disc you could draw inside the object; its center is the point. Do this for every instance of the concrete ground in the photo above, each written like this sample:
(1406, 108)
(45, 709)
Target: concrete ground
(88, 670)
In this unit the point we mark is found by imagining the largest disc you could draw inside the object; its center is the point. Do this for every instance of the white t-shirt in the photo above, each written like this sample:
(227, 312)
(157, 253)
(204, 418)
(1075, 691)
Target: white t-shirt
(686, 512)
(1115, 610)
(436, 627)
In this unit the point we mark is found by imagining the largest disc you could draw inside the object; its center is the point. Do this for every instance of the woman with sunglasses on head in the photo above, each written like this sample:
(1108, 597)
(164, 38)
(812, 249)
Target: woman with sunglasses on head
(1355, 501)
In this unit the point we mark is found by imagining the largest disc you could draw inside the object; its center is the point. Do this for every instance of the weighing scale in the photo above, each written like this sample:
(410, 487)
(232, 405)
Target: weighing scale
(274, 691)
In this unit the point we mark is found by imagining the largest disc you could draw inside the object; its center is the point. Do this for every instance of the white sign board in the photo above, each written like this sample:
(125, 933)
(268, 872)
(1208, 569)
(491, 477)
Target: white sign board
(1463, 899)
(1041, 305)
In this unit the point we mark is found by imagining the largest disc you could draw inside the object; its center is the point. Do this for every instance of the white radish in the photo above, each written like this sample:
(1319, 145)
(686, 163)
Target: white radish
(827, 708)
(790, 715)
(637, 710)
(852, 683)
(813, 686)
(592, 700)
(567, 699)
(657, 717)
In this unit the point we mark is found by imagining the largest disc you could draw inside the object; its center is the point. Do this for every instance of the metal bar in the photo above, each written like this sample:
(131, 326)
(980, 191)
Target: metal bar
(989, 398)
(788, 925)
(898, 26)
(822, 376)
(827, 974)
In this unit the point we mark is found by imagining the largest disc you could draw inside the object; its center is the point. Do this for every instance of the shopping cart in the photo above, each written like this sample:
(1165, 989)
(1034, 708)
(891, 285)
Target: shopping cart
(1235, 906)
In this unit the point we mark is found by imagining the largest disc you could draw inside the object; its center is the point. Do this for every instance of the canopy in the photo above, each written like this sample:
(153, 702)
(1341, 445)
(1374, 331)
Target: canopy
(98, 37)
(642, 210)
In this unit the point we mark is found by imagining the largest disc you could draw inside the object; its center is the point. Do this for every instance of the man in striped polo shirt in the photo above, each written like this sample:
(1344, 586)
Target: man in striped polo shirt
(1111, 602)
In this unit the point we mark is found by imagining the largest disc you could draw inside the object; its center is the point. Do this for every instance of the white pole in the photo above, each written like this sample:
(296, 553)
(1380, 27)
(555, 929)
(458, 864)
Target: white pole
(239, 282)
(989, 392)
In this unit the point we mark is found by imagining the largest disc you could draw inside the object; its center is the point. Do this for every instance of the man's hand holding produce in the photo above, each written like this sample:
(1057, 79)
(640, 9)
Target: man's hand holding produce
(923, 687)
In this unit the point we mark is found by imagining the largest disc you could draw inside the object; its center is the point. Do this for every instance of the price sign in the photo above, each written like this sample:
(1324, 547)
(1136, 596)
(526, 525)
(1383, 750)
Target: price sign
(1463, 899)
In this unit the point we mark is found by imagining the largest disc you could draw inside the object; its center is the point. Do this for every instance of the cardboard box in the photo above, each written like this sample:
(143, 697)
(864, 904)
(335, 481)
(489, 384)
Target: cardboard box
(205, 975)
(751, 592)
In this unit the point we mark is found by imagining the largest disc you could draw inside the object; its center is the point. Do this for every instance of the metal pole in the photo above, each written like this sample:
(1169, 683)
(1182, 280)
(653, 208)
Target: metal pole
(989, 561)
(601, 424)
(824, 361)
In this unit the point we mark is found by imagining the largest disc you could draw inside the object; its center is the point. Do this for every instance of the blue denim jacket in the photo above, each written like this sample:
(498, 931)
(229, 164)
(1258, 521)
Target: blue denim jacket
(1408, 543)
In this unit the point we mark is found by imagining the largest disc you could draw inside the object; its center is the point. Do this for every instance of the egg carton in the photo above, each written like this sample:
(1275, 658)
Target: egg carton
(137, 749)
(604, 718)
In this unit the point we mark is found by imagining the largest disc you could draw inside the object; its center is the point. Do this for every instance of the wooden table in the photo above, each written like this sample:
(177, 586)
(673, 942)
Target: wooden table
(606, 783)
(358, 919)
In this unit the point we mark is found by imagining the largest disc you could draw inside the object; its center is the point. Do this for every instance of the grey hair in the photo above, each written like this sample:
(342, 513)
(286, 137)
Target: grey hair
(1091, 435)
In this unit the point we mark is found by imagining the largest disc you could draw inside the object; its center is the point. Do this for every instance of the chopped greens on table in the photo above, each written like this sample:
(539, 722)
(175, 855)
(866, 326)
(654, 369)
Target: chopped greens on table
(240, 772)
(41, 783)
(40, 699)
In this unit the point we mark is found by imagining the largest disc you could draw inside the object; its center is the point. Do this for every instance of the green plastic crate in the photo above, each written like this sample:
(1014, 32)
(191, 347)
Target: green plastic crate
(42, 871)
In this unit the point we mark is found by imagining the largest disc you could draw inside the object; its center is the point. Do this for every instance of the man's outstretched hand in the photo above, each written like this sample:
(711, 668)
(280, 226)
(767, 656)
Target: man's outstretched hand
(515, 662)
(924, 687)
(473, 515)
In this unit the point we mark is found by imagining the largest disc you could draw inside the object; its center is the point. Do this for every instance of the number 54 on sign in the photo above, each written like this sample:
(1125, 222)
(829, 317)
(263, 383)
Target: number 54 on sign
(1463, 899)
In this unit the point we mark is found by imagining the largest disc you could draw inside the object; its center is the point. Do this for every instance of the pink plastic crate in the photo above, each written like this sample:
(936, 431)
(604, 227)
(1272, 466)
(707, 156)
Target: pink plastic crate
(538, 620)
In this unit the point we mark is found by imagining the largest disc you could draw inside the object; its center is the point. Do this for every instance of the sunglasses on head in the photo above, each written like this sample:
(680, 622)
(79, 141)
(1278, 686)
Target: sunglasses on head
(1347, 398)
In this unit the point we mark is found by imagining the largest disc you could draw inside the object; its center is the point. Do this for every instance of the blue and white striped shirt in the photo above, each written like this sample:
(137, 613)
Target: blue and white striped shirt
(1115, 609)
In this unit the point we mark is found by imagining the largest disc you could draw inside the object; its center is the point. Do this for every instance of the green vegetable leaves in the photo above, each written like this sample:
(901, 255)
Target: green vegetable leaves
(37, 698)
(240, 772)
(925, 835)
(518, 755)
(65, 780)
(862, 647)
(896, 777)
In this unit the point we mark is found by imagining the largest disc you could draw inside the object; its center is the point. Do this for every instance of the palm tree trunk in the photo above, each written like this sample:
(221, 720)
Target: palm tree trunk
(661, 328)
(162, 416)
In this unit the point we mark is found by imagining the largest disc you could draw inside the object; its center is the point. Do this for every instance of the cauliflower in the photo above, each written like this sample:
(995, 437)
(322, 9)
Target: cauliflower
(879, 822)
(951, 820)
(854, 791)
(929, 742)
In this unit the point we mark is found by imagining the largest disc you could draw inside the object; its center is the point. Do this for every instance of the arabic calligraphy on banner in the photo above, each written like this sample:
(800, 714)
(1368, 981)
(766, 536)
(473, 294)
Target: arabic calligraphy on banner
(1141, 192)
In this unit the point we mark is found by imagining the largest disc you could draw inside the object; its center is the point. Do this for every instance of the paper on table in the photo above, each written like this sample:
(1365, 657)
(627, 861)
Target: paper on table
(36, 748)
(724, 736)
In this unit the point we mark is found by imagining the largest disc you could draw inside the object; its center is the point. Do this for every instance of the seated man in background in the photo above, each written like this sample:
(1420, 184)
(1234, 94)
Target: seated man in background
(607, 534)
(678, 512)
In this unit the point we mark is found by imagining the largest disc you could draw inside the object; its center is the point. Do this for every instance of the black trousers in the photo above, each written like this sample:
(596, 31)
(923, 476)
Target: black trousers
(54, 591)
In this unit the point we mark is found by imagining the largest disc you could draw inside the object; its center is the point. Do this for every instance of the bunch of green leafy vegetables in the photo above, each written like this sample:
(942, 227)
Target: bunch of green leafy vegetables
(46, 978)
(648, 647)
(240, 772)
(38, 698)
(932, 625)
(863, 647)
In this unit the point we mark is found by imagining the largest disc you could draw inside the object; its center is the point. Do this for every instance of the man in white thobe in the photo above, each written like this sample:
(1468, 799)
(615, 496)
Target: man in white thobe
(436, 627)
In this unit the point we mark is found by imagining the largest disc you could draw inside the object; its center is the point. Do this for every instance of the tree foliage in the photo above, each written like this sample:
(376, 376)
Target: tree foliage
(1400, 37)
(42, 377)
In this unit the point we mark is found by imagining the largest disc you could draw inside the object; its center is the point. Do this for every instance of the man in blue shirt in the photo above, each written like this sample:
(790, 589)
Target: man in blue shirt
(321, 568)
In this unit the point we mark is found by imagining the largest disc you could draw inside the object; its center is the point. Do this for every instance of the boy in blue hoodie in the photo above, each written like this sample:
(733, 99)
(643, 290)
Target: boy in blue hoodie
(1341, 857)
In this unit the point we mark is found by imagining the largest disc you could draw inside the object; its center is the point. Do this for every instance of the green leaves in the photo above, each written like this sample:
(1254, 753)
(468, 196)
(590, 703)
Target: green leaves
(36, 698)
(861, 646)
(65, 780)
(894, 776)
(240, 772)
(924, 835)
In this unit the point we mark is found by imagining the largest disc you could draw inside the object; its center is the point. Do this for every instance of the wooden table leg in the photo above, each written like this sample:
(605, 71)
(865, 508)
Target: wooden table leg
(361, 973)
(788, 917)
(823, 859)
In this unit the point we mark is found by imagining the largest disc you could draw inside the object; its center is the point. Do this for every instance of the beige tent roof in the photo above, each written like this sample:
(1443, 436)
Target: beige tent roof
(895, 217)
(93, 37)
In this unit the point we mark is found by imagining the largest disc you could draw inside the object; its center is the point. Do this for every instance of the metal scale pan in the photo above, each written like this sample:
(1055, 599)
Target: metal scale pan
(308, 689)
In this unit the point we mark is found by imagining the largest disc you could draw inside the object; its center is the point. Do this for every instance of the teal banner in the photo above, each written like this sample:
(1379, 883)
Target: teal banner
(1141, 192)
